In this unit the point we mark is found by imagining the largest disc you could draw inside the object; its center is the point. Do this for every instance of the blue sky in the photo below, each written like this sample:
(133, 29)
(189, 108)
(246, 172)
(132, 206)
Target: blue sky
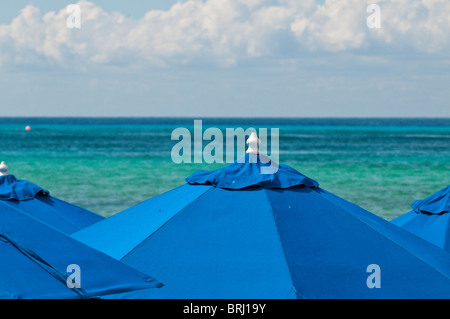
(131, 8)
(225, 58)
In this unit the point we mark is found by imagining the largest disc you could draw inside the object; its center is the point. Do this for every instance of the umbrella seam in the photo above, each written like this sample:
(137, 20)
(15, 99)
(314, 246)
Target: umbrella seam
(165, 223)
(70, 204)
(281, 243)
(53, 271)
(59, 215)
(37, 219)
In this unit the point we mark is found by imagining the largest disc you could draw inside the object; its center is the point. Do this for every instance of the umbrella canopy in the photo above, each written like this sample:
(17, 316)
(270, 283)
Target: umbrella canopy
(429, 218)
(37, 260)
(237, 233)
(37, 202)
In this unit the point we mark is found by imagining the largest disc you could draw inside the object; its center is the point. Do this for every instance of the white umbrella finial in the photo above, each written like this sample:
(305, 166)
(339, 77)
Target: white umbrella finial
(253, 144)
(3, 169)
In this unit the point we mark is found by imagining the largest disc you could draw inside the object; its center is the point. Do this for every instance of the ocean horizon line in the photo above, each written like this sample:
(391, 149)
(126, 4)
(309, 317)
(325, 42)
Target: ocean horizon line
(221, 121)
(223, 117)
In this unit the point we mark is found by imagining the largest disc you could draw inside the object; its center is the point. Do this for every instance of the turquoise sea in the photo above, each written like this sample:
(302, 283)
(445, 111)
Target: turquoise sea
(109, 164)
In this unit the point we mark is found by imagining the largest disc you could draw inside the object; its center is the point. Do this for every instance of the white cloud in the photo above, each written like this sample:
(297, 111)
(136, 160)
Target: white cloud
(223, 32)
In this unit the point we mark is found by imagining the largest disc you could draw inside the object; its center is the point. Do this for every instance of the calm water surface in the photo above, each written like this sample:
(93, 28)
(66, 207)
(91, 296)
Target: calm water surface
(107, 165)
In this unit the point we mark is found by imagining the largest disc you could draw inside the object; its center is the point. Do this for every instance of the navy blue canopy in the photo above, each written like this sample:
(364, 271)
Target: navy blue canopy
(12, 188)
(37, 202)
(264, 173)
(36, 262)
(429, 218)
(237, 233)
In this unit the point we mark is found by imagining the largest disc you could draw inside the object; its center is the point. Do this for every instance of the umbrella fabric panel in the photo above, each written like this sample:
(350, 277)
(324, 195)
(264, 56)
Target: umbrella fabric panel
(433, 228)
(429, 219)
(402, 237)
(122, 232)
(328, 251)
(223, 245)
(36, 202)
(21, 278)
(100, 274)
(56, 213)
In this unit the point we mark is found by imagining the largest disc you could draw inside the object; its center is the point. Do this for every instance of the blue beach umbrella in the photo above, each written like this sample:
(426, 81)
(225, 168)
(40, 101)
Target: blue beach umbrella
(40, 262)
(35, 201)
(238, 233)
(429, 218)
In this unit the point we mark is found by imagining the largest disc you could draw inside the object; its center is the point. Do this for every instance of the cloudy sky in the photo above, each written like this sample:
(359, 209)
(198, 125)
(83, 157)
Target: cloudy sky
(299, 58)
